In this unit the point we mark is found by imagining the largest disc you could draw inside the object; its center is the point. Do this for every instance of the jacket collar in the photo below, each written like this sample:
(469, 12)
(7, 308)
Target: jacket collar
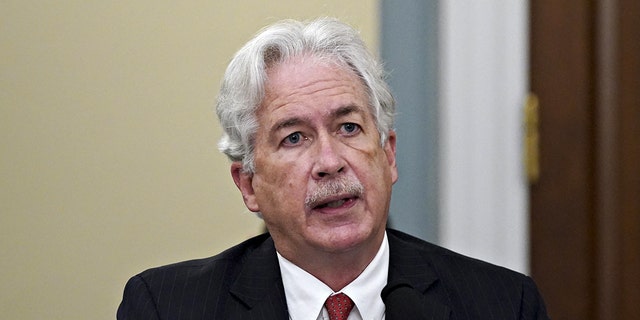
(259, 285)
(409, 263)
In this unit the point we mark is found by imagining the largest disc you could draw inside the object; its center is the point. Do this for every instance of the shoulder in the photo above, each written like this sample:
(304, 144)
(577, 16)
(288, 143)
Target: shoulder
(457, 274)
(466, 285)
(442, 260)
(201, 284)
(220, 266)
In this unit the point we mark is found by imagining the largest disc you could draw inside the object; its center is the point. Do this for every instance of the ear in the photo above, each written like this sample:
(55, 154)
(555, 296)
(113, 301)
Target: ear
(390, 151)
(244, 182)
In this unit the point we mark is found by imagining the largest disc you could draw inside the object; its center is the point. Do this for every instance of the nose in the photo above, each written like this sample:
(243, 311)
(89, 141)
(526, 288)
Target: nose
(329, 161)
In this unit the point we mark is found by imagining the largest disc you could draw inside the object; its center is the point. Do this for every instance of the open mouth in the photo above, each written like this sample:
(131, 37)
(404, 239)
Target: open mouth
(334, 203)
(335, 194)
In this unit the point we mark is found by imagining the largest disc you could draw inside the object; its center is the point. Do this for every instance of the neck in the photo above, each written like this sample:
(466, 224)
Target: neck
(335, 269)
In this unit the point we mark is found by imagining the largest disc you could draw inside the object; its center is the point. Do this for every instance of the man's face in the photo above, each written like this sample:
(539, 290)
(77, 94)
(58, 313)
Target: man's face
(322, 180)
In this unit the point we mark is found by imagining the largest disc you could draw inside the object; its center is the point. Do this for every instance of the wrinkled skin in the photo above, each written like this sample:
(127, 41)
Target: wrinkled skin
(315, 127)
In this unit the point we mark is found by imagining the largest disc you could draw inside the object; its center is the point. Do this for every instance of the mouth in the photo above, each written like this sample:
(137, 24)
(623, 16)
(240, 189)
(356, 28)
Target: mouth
(334, 202)
(334, 196)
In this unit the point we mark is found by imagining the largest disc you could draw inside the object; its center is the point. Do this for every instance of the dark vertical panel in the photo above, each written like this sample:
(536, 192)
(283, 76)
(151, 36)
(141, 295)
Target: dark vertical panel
(628, 158)
(409, 48)
(585, 211)
(607, 228)
(561, 201)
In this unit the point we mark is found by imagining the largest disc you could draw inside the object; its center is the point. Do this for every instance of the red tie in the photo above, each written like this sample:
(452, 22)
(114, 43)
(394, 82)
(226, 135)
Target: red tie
(339, 306)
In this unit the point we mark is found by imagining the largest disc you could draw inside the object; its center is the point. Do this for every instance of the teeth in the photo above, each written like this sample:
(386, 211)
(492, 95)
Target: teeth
(335, 204)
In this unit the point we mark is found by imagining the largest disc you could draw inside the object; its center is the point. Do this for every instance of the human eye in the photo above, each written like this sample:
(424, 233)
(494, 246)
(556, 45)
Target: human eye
(293, 139)
(350, 128)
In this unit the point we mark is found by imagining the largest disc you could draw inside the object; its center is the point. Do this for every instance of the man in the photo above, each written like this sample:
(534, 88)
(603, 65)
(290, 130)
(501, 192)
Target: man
(308, 123)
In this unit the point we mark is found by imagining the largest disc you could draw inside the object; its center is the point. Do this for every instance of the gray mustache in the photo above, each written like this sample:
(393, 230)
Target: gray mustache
(330, 188)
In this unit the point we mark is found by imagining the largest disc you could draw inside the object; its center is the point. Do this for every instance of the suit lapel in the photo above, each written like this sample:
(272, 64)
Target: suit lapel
(259, 285)
(409, 264)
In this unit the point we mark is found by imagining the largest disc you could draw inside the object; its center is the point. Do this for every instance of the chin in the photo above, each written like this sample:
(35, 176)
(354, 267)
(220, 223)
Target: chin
(345, 238)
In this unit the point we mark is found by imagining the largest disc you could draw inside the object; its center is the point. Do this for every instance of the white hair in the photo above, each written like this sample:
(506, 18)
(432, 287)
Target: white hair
(243, 84)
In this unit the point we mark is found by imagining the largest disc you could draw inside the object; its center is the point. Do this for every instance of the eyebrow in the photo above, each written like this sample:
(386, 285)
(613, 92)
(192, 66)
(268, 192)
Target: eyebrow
(335, 114)
(344, 111)
(285, 123)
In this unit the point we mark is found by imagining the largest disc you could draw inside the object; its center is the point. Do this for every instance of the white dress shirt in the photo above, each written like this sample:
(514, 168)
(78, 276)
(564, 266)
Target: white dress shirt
(306, 294)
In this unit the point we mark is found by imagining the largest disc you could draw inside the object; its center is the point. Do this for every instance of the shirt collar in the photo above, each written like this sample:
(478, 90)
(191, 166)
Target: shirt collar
(306, 294)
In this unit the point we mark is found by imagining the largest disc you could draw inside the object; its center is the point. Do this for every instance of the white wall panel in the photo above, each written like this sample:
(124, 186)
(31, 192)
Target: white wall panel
(483, 84)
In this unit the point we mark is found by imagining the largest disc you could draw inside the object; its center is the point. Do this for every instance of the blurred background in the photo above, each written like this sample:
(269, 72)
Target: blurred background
(109, 166)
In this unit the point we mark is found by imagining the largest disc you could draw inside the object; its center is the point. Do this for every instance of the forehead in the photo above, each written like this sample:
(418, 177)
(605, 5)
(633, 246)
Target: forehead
(304, 80)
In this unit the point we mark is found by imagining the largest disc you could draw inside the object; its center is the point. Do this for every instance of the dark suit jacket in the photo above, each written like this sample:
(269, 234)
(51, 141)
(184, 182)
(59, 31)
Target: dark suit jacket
(244, 282)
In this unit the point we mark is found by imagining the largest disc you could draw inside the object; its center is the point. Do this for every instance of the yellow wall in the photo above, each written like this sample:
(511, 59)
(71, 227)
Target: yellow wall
(108, 163)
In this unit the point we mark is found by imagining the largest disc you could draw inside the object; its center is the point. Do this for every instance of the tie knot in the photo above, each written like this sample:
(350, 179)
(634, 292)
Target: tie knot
(339, 306)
